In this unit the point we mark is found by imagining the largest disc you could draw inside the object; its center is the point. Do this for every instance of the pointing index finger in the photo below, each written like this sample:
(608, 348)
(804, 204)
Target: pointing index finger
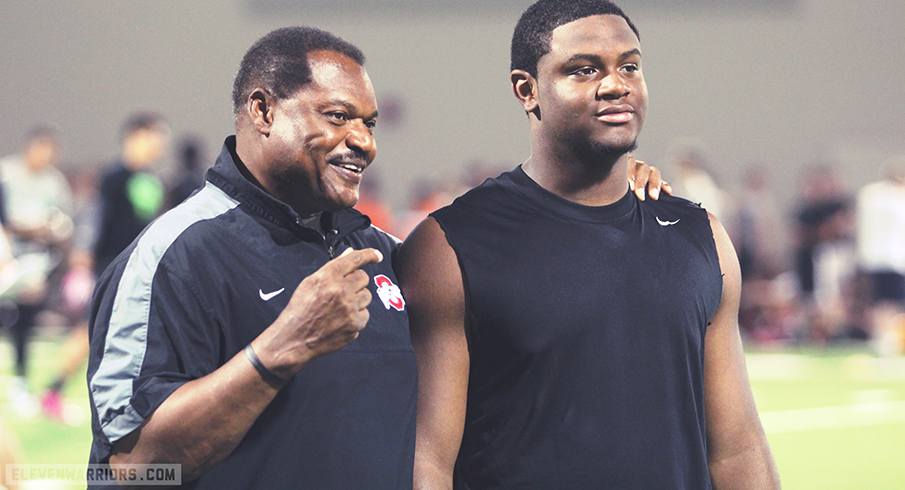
(351, 260)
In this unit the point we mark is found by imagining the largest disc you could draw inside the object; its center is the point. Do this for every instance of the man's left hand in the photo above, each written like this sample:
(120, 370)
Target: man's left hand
(642, 175)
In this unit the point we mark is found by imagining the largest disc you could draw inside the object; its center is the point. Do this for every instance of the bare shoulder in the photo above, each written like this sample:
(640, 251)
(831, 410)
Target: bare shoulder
(726, 251)
(424, 251)
(428, 270)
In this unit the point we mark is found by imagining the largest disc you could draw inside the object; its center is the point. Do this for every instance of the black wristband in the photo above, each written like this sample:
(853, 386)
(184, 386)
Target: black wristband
(265, 373)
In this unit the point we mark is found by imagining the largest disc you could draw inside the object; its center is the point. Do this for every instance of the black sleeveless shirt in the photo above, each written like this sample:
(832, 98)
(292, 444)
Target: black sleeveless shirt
(586, 339)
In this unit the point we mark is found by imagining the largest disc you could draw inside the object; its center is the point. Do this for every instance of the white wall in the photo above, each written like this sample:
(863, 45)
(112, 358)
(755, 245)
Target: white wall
(778, 89)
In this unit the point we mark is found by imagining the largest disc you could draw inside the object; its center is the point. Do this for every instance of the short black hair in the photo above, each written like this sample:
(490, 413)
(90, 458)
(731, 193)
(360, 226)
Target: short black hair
(142, 121)
(42, 132)
(278, 62)
(534, 31)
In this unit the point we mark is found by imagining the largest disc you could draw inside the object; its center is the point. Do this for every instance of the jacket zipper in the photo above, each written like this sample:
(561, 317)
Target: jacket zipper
(329, 245)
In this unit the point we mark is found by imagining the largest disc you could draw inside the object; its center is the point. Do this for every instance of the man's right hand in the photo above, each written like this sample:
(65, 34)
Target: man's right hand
(326, 312)
(202, 422)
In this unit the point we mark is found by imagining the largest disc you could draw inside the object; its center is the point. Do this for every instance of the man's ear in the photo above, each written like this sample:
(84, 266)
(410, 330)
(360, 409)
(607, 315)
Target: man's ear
(524, 86)
(260, 107)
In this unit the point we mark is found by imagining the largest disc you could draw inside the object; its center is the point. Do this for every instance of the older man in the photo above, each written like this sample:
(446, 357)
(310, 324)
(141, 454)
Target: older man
(210, 333)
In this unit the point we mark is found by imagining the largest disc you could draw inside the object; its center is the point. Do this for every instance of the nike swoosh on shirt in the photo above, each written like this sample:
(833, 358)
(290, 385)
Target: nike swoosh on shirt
(268, 296)
(667, 223)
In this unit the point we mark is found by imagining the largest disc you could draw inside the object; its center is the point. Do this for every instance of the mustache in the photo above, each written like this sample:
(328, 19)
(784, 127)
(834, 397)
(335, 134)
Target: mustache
(349, 155)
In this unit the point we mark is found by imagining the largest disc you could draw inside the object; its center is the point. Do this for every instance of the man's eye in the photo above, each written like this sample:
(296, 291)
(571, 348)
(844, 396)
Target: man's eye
(338, 116)
(585, 71)
(631, 68)
(371, 124)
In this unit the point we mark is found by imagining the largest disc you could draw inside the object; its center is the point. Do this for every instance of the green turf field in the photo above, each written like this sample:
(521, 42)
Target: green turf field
(835, 417)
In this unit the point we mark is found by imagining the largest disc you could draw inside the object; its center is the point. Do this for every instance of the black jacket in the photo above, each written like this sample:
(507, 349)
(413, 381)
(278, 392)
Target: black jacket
(208, 277)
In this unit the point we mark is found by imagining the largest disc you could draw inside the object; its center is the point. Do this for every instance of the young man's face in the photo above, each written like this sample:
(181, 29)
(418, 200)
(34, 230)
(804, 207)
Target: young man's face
(591, 92)
(322, 137)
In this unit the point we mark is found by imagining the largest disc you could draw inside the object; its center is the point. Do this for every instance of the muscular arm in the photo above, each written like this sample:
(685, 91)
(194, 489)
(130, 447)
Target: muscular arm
(738, 453)
(431, 282)
(204, 420)
(201, 423)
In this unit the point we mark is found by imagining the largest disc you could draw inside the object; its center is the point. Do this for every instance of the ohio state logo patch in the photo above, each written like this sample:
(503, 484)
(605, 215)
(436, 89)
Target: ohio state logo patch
(389, 293)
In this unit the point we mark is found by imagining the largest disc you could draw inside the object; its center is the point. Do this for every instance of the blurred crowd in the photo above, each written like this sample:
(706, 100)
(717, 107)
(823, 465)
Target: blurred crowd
(62, 225)
(831, 269)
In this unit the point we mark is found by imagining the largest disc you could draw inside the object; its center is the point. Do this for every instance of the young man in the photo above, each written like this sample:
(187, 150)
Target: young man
(569, 335)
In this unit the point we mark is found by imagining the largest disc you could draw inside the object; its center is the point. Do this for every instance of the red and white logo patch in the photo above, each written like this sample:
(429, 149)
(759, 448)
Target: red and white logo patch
(389, 293)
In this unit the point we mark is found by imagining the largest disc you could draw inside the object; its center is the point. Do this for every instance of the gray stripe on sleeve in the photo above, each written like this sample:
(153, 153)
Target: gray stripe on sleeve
(127, 333)
(392, 237)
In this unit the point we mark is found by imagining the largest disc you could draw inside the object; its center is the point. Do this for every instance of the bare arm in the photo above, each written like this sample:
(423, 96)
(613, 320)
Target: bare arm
(739, 456)
(204, 420)
(431, 282)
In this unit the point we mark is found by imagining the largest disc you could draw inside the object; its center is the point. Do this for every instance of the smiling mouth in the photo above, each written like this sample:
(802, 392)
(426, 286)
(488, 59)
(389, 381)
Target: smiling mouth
(352, 167)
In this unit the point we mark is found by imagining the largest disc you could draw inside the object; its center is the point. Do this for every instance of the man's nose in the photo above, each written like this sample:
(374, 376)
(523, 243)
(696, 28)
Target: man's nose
(612, 87)
(361, 138)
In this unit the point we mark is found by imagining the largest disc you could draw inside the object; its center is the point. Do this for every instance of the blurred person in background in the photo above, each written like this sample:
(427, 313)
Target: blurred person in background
(189, 171)
(131, 194)
(72, 297)
(835, 268)
(758, 240)
(820, 198)
(759, 227)
(825, 255)
(75, 292)
(38, 204)
(880, 224)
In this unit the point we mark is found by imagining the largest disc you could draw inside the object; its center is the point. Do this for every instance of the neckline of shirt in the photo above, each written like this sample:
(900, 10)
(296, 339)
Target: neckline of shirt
(566, 208)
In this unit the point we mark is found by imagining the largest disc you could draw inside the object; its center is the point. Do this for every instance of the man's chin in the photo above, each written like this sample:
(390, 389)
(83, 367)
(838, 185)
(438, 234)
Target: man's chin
(613, 149)
(339, 202)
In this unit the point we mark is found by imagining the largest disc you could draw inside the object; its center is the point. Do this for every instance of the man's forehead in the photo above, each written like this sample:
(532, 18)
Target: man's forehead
(606, 31)
(339, 77)
(330, 64)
